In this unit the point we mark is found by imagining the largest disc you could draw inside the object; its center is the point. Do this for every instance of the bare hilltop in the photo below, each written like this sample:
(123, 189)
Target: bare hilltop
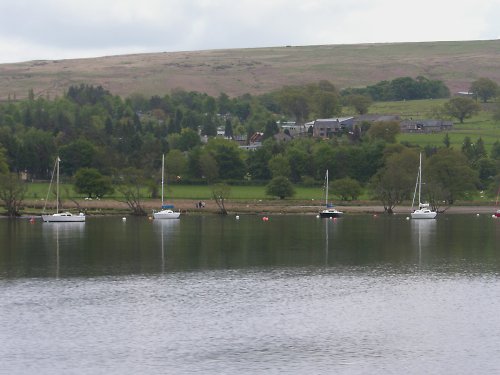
(257, 70)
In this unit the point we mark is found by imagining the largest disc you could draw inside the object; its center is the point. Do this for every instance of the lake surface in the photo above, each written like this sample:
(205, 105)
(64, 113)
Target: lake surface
(213, 295)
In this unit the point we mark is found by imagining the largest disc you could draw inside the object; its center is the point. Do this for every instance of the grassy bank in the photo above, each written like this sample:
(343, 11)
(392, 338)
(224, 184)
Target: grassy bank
(38, 191)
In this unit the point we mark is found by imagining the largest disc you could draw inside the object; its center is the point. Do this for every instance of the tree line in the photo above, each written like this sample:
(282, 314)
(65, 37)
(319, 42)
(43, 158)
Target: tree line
(105, 141)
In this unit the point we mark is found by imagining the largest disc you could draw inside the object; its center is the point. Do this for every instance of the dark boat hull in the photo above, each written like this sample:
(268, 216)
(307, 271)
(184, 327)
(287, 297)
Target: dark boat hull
(330, 214)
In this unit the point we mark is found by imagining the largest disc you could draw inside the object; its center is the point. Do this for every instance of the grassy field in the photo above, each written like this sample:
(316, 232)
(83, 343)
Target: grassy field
(481, 125)
(38, 191)
(258, 70)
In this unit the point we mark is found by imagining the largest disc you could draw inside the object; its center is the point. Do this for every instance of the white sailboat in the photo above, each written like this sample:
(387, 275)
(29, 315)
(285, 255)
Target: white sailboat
(60, 217)
(167, 211)
(330, 210)
(423, 211)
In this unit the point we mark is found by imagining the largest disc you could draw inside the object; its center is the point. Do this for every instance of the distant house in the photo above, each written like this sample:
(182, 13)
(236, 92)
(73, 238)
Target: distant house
(425, 126)
(254, 142)
(325, 128)
(293, 128)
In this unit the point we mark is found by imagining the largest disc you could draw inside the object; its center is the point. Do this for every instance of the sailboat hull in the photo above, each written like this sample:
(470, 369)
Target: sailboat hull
(166, 214)
(65, 217)
(423, 214)
(330, 213)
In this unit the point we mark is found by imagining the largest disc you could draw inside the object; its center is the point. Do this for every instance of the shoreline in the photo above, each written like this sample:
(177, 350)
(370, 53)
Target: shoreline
(236, 207)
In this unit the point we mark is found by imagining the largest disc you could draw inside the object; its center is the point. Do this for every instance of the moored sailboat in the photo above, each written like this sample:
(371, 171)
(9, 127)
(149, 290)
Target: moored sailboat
(60, 217)
(167, 210)
(330, 210)
(423, 211)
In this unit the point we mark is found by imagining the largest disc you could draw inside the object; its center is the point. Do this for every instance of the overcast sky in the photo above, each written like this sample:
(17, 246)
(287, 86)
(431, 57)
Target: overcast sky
(59, 29)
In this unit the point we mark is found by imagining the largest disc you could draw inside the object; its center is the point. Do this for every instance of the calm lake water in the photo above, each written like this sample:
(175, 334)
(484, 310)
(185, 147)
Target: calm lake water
(213, 295)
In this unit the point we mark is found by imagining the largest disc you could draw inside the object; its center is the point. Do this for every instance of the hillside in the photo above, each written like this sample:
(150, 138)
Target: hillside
(258, 70)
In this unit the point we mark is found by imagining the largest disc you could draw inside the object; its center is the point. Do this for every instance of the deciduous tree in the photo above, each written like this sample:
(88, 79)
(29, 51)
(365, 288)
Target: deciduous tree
(347, 188)
(484, 89)
(221, 192)
(12, 191)
(384, 130)
(91, 182)
(450, 170)
(280, 187)
(394, 182)
(461, 108)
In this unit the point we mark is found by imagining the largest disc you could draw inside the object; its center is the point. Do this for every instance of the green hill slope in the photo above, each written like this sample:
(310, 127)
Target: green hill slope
(259, 70)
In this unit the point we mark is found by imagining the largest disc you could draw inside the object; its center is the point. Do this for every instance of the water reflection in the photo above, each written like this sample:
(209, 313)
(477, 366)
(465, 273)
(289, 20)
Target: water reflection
(56, 233)
(422, 232)
(165, 229)
(331, 226)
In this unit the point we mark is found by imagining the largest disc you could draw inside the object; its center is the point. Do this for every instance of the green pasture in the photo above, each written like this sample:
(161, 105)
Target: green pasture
(481, 125)
(39, 190)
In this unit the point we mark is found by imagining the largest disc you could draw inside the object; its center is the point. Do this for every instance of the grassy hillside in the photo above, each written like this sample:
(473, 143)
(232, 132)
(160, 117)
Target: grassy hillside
(259, 70)
(481, 125)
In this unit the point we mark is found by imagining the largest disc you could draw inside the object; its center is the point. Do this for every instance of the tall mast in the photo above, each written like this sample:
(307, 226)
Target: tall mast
(162, 176)
(57, 186)
(326, 189)
(420, 180)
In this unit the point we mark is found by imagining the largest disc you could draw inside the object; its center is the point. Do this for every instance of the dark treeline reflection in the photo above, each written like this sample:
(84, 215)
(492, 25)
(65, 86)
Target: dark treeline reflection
(112, 246)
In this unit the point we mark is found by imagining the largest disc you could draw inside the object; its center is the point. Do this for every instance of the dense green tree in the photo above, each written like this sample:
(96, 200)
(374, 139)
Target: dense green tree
(175, 165)
(468, 148)
(324, 158)
(360, 103)
(87, 94)
(446, 141)
(175, 122)
(299, 155)
(92, 183)
(495, 150)
(461, 108)
(209, 126)
(279, 166)
(4, 166)
(271, 128)
(224, 104)
(347, 188)
(280, 187)
(487, 170)
(384, 130)
(76, 155)
(473, 151)
(228, 128)
(484, 89)
(450, 170)
(228, 156)
(403, 88)
(194, 157)
(295, 102)
(258, 163)
(36, 153)
(325, 104)
(185, 141)
(395, 181)
(209, 167)
(12, 191)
